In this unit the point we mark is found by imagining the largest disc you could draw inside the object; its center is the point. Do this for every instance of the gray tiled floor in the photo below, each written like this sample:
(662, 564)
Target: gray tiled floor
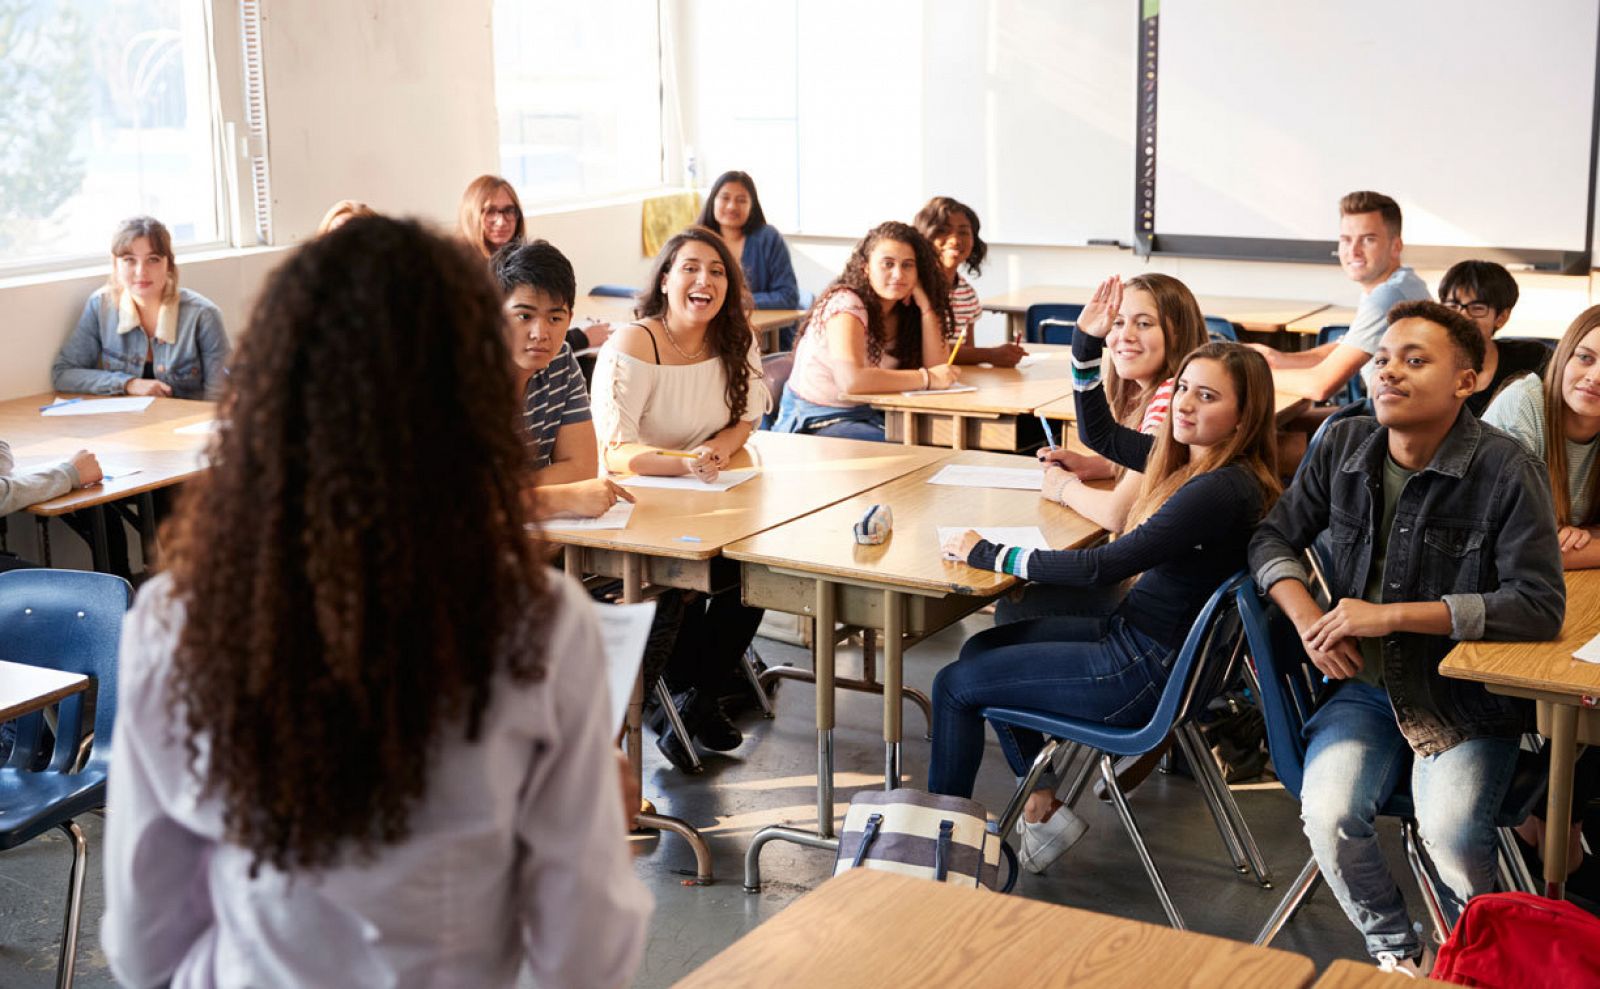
(769, 779)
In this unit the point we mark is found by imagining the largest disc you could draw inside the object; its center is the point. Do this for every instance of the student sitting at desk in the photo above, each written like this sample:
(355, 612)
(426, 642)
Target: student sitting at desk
(882, 326)
(362, 732)
(1485, 292)
(539, 289)
(141, 334)
(952, 228)
(1441, 531)
(1207, 477)
(18, 491)
(490, 215)
(679, 393)
(734, 210)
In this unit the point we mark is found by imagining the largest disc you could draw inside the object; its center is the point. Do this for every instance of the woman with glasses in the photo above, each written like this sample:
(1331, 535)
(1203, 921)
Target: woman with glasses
(1485, 293)
(490, 215)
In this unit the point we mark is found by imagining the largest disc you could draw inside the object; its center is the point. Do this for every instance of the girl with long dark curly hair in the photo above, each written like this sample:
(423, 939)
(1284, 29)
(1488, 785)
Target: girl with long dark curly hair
(686, 378)
(952, 227)
(362, 735)
(882, 326)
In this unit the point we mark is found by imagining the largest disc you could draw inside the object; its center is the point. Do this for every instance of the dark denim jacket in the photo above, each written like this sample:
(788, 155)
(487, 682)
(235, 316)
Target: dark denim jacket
(1475, 528)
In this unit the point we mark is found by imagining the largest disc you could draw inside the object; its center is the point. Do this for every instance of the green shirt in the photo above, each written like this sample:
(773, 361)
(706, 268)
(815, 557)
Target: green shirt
(1394, 482)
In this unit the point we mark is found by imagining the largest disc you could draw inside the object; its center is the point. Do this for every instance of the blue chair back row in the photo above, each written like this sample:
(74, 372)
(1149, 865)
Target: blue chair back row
(1060, 313)
(1219, 328)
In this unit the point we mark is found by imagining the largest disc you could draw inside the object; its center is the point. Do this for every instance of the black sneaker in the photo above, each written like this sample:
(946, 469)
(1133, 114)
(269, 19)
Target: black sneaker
(710, 726)
(669, 745)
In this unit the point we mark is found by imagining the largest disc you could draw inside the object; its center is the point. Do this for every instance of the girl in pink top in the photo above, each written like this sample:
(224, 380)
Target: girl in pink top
(882, 326)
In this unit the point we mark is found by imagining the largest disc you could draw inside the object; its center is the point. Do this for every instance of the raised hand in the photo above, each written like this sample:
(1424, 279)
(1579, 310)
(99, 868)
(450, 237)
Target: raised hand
(1101, 312)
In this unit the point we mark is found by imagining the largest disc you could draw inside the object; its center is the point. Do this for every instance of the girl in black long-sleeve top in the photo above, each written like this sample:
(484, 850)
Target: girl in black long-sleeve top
(1209, 477)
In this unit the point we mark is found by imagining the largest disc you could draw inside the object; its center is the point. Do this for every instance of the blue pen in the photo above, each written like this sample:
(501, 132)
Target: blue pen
(57, 405)
(688, 539)
(1049, 437)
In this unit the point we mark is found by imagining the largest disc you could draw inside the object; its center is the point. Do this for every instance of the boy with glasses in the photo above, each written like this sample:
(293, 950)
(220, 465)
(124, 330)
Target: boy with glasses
(1485, 293)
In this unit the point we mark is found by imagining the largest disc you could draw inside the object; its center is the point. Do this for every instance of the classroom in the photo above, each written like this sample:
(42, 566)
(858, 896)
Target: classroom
(929, 492)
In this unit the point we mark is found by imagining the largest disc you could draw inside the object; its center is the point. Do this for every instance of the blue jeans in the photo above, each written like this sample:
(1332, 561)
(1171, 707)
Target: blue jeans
(1095, 669)
(796, 415)
(1355, 760)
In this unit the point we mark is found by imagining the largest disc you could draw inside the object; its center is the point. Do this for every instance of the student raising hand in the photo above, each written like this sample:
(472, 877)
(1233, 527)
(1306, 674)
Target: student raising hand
(1100, 314)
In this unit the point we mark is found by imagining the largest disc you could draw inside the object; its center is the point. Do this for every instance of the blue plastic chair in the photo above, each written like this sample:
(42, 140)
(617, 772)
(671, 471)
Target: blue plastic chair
(1198, 673)
(1288, 689)
(614, 291)
(1355, 389)
(1220, 328)
(65, 620)
(1051, 322)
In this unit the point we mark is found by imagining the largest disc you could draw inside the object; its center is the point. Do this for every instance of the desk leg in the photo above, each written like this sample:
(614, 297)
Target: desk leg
(908, 435)
(147, 529)
(893, 669)
(572, 561)
(1016, 326)
(958, 433)
(1558, 806)
(44, 538)
(823, 650)
(97, 544)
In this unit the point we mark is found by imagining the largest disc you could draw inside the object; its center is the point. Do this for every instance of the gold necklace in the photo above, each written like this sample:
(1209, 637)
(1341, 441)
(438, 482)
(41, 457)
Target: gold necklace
(704, 342)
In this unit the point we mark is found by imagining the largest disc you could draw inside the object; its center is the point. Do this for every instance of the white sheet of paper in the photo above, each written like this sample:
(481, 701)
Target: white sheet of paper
(624, 631)
(615, 517)
(688, 482)
(972, 476)
(198, 428)
(952, 390)
(1027, 536)
(98, 406)
(1029, 360)
(1589, 652)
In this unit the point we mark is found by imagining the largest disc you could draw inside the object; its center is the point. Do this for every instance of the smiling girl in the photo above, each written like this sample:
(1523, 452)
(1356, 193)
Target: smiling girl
(734, 210)
(880, 327)
(1207, 478)
(952, 228)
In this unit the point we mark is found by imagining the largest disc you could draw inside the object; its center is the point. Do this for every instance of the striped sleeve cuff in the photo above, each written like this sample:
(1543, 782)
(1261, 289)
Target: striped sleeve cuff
(1013, 560)
(1085, 373)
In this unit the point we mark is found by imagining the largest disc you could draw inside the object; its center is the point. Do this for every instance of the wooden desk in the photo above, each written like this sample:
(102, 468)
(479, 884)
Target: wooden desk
(986, 419)
(1252, 314)
(610, 309)
(799, 474)
(1564, 691)
(1347, 974)
(1285, 406)
(148, 441)
(1312, 323)
(902, 590)
(25, 689)
(870, 929)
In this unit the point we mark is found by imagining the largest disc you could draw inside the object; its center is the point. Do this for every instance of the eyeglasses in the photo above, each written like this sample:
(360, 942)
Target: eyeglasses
(503, 212)
(1477, 310)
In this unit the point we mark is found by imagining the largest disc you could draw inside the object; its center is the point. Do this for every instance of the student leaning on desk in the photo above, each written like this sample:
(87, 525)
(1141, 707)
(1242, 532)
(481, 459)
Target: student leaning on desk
(18, 491)
(361, 737)
(883, 326)
(679, 392)
(952, 228)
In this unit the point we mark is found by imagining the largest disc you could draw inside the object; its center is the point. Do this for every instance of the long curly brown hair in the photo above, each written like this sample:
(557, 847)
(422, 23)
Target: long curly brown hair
(354, 568)
(908, 336)
(729, 334)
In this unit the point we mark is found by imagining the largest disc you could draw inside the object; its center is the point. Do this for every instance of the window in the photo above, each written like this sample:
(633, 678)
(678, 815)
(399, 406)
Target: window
(107, 114)
(579, 94)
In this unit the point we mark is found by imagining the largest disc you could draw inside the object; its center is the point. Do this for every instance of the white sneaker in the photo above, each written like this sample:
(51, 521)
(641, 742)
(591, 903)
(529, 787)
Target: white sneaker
(1040, 844)
(1388, 961)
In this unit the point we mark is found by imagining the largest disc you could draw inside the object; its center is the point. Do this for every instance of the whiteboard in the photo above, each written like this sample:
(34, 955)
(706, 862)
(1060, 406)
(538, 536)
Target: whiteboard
(1475, 115)
(858, 111)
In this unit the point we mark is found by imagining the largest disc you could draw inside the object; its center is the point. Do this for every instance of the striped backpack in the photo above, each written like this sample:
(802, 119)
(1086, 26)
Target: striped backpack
(924, 835)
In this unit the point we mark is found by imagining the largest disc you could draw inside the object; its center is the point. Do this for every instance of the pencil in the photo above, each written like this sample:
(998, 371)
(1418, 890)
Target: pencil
(954, 351)
(676, 453)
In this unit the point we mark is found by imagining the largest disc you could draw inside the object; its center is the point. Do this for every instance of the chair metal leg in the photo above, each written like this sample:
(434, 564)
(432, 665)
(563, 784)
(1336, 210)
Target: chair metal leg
(774, 832)
(748, 662)
(1201, 765)
(1081, 778)
(1299, 891)
(1108, 771)
(1230, 807)
(1013, 812)
(664, 698)
(69, 931)
(1420, 871)
(686, 831)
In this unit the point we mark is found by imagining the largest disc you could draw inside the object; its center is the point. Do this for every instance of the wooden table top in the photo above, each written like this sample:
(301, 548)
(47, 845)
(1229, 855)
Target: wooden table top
(1001, 390)
(871, 929)
(1283, 404)
(822, 542)
(1327, 316)
(1251, 313)
(799, 474)
(25, 688)
(610, 309)
(1542, 666)
(146, 440)
(1347, 974)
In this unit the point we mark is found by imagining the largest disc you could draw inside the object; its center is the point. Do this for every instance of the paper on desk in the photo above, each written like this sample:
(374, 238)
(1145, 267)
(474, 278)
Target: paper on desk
(952, 390)
(97, 406)
(615, 517)
(1029, 360)
(1589, 652)
(624, 632)
(972, 476)
(199, 428)
(688, 482)
(111, 470)
(1026, 536)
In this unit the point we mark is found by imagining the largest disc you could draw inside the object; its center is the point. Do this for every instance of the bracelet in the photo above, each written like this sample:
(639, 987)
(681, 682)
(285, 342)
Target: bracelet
(927, 382)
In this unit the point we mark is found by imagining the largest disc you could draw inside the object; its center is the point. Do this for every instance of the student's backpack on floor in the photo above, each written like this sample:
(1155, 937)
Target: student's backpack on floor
(1521, 941)
(924, 835)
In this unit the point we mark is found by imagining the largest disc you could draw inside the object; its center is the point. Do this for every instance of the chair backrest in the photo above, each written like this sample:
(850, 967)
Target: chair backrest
(1204, 662)
(1360, 407)
(1548, 342)
(1285, 680)
(1220, 328)
(1062, 312)
(776, 369)
(614, 291)
(1355, 389)
(69, 620)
